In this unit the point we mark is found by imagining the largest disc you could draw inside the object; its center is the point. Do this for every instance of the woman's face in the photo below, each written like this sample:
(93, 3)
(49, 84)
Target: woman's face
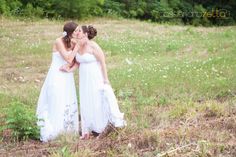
(83, 40)
(80, 33)
(74, 34)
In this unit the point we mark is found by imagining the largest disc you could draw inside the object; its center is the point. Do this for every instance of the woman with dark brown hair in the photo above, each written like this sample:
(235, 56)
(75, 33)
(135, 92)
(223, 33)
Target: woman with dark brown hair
(98, 104)
(57, 108)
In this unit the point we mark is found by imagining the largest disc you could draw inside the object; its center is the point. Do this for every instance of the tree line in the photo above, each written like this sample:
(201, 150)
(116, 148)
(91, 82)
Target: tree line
(193, 12)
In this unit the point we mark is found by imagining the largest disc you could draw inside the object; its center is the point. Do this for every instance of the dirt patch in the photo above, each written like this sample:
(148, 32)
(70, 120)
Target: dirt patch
(28, 148)
(215, 134)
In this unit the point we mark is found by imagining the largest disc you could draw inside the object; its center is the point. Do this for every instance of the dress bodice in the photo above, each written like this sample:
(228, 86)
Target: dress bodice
(85, 58)
(57, 59)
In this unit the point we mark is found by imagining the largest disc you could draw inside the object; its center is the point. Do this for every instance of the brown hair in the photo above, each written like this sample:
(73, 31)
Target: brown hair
(69, 28)
(90, 30)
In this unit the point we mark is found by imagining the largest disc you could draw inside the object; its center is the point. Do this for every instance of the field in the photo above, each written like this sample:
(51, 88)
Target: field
(175, 84)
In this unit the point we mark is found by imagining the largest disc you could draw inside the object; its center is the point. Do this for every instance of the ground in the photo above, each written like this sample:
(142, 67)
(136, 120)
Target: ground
(175, 84)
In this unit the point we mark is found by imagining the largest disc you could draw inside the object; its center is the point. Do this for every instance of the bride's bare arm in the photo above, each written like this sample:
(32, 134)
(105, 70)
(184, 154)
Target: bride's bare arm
(71, 66)
(98, 53)
(74, 67)
(67, 57)
(68, 68)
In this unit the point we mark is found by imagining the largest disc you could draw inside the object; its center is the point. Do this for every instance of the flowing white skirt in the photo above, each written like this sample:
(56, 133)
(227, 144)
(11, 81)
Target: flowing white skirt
(57, 109)
(98, 104)
(111, 107)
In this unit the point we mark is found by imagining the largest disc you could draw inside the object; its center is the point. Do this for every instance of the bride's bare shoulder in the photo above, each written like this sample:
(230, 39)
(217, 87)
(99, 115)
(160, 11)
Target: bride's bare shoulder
(94, 45)
(57, 43)
(58, 40)
(96, 48)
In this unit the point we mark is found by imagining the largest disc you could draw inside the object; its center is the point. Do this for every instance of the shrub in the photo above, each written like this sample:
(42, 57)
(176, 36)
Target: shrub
(174, 11)
(10, 7)
(21, 120)
(31, 12)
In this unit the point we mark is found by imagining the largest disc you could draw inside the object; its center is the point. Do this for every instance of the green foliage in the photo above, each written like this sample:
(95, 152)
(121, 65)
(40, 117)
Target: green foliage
(65, 152)
(189, 12)
(21, 120)
(30, 11)
(10, 7)
(200, 20)
(114, 8)
(196, 13)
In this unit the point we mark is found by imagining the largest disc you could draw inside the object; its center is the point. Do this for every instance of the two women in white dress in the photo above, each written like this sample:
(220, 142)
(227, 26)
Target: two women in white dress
(57, 105)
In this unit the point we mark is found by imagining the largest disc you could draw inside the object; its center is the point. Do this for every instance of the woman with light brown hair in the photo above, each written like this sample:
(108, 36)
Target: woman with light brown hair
(57, 108)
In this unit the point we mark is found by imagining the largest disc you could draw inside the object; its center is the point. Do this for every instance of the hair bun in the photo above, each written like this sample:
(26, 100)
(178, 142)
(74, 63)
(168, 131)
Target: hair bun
(92, 32)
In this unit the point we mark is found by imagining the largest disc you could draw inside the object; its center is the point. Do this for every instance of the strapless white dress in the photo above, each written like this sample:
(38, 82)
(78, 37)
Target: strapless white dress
(57, 108)
(98, 104)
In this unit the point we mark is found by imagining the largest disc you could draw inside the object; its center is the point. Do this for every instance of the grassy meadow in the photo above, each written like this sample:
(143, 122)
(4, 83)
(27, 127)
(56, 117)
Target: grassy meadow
(175, 84)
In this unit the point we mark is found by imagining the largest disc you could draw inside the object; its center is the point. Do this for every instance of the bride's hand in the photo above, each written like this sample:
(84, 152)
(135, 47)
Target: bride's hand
(106, 82)
(75, 40)
(76, 47)
(65, 68)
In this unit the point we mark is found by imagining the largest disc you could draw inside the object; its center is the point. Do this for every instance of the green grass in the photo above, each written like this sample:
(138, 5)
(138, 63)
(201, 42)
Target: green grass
(163, 76)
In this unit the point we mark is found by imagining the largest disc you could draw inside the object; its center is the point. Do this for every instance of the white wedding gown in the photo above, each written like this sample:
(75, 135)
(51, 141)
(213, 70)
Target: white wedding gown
(57, 108)
(98, 104)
